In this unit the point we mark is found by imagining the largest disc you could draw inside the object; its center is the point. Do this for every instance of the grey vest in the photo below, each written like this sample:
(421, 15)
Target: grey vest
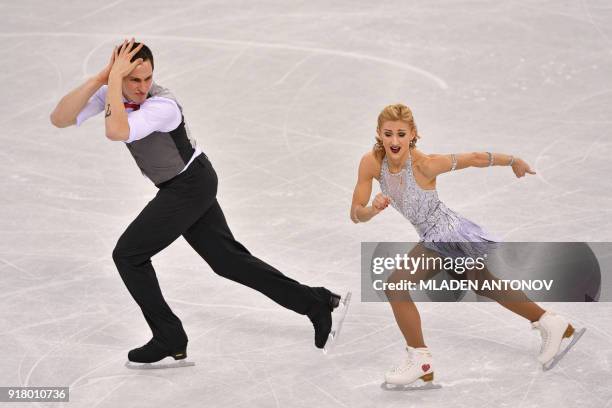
(162, 155)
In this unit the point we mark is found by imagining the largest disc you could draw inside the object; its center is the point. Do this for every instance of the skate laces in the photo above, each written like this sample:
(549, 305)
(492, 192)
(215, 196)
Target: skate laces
(409, 362)
(545, 336)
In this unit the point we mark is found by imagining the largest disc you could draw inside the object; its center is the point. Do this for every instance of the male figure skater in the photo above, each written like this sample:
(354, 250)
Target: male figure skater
(149, 120)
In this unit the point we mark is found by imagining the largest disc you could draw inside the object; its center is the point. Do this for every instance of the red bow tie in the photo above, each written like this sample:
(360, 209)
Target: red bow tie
(133, 106)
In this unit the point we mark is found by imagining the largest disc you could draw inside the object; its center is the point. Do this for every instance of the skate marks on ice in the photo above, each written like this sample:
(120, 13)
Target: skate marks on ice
(159, 365)
(555, 360)
(340, 312)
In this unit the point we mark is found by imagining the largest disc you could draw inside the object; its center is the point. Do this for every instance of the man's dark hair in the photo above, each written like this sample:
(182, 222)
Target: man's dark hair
(144, 53)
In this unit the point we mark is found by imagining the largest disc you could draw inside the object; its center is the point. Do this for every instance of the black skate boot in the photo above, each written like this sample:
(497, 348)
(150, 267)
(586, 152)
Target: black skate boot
(155, 351)
(321, 317)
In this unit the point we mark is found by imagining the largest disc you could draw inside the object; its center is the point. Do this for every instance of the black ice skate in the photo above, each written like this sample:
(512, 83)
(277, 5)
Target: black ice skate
(151, 354)
(327, 328)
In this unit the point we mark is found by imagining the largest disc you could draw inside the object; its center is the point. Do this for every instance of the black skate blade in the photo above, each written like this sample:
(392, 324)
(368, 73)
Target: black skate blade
(332, 338)
(550, 365)
(155, 366)
(398, 387)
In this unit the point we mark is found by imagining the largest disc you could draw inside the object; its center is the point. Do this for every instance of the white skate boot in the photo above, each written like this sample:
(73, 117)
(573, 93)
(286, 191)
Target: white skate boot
(558, 336)
(416, 373)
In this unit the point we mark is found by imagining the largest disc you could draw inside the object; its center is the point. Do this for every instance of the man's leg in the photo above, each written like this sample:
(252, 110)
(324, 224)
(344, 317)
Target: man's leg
(211, 237)
(164, 219)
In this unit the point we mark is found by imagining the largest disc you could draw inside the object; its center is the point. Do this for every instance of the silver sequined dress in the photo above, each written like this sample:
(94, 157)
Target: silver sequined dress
(439, 227)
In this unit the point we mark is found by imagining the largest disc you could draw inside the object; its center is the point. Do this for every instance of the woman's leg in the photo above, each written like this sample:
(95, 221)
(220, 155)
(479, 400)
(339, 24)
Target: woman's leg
(409, 322)
(513, 300)
(405, 311)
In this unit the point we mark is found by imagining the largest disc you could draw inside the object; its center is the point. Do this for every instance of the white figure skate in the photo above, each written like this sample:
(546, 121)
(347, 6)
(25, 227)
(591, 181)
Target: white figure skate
(338, 316)
(558, 337)
(416, 373)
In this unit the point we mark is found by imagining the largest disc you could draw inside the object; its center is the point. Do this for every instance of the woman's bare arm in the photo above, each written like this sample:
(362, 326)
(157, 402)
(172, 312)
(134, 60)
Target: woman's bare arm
(436, 164)
(360, 212)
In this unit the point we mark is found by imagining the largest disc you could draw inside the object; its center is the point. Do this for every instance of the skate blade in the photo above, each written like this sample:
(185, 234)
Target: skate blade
(398, 387)
(332, 338)
(577, 335)
(155, 366)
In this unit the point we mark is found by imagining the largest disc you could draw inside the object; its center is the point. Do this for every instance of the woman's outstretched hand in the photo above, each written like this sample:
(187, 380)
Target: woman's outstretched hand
(520, 168)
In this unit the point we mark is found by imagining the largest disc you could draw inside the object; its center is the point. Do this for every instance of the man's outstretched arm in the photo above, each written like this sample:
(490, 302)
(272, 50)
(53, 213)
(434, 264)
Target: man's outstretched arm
(68, 108)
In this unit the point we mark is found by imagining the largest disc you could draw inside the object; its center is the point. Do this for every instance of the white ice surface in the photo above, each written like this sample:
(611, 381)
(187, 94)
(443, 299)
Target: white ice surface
(283, 97)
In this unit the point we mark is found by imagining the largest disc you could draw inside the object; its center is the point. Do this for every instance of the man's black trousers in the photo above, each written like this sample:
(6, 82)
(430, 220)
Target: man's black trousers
(186, 205)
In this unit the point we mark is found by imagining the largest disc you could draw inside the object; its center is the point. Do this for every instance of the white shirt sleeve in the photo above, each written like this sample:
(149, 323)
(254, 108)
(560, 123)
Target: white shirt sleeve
(94, 106)
(156, 114)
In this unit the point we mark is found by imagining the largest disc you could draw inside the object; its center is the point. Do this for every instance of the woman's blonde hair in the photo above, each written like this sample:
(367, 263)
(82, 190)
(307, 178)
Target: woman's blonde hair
(393, 113)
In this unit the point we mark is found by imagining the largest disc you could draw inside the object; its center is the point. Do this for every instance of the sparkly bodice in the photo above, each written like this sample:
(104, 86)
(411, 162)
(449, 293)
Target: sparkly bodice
(422, 208)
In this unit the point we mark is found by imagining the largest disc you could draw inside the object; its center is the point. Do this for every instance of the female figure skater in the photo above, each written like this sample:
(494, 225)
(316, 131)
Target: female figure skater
(407, 178)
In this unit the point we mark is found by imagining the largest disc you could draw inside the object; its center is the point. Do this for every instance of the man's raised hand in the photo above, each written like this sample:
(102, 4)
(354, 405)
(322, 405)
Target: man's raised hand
(122, 65)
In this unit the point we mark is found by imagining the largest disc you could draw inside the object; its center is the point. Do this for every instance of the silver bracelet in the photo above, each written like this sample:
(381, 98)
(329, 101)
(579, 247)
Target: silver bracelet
(454, 161)
(511, 161)
(490, 158)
